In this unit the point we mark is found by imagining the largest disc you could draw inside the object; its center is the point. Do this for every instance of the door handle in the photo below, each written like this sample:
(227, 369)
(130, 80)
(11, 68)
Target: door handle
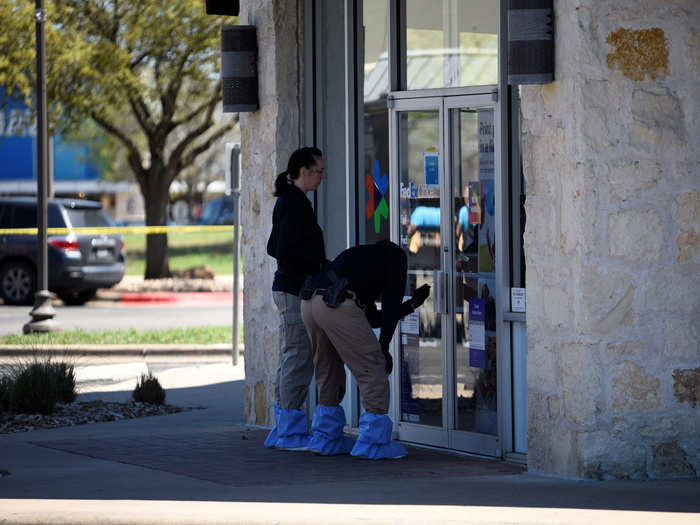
(440, 300)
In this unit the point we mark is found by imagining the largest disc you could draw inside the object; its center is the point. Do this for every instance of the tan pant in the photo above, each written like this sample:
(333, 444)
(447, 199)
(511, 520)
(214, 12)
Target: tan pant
(343, 335)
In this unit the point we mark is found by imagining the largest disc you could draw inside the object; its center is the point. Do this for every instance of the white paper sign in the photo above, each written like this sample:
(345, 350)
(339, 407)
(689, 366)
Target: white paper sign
(477, 336)
(517, 300)
(411, 323)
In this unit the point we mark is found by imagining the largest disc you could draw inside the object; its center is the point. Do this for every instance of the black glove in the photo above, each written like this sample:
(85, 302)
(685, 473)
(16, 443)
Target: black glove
(389, 366)
(420, 295)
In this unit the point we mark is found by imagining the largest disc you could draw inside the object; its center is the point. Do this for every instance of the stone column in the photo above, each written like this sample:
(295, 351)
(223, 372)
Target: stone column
(268, 137)
(610, 153)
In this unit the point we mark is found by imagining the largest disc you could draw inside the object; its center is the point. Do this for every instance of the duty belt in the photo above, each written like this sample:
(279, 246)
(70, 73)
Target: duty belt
(348, 294)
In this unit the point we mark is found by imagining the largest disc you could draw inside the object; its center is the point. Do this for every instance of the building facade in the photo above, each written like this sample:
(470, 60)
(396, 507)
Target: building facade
(557, 224)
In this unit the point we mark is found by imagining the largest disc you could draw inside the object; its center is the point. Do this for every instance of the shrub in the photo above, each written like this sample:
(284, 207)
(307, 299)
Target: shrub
(148, 390)
(65, 382)
(6, 384)
(36, 385)
(34, 389)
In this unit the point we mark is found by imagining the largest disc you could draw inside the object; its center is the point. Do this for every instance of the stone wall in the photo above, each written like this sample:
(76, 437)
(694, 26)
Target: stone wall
(268, 137)
(611, 153)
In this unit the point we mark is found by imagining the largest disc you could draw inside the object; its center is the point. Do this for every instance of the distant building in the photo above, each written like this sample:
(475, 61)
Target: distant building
(75, 171)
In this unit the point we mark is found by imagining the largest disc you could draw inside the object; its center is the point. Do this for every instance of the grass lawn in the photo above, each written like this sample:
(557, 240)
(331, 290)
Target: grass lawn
(186, 250)
(198, 335)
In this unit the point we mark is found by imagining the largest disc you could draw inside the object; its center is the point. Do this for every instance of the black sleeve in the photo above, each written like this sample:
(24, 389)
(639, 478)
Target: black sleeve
(392, 297)
(290, 248)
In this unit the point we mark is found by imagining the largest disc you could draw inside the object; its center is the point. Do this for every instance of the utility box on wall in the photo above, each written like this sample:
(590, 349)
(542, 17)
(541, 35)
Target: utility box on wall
(530, 41)
(239, 69)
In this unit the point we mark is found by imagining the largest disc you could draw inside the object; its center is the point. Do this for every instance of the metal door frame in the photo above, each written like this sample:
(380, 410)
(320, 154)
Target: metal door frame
(446, 436)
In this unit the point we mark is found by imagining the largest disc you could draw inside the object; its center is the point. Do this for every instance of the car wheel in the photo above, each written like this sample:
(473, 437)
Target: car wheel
(76, 297)
(18, 283)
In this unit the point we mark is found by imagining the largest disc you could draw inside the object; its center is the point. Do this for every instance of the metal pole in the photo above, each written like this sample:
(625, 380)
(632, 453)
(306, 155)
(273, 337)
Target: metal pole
(42, 313)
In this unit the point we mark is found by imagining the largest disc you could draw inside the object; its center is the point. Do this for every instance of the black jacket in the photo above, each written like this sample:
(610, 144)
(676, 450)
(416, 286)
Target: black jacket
(296, 241)
(374, 271)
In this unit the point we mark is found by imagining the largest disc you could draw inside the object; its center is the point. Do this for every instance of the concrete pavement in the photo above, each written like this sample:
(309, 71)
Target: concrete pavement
(205, 466)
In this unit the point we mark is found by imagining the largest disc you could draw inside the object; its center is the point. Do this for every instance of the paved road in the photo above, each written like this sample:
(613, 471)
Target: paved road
(105, 315)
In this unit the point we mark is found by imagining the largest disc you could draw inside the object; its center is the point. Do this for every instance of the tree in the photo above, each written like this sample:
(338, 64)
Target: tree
(145, 72)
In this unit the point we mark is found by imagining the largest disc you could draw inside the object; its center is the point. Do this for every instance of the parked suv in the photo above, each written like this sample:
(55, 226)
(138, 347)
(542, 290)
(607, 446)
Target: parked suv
(217, 211)
(77, 264)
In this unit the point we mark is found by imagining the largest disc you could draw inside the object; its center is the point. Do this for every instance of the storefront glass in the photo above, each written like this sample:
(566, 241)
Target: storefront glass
(373, 192)
(421, 334)
(450, 43)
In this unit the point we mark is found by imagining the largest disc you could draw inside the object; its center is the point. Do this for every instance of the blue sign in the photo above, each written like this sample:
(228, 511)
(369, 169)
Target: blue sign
(432, 163)
(71, 160)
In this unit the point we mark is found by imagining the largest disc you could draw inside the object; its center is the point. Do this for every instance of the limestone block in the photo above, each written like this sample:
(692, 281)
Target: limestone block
(628, 348)
(671, 292)
(581, 378)
(604, 300)
(688, 221)
(657, 124)
(686, 386)
(563, 455)
(541, 367)
(541, 229)
(667, 428)
(260, 404)
(669, 460)
(604, 457)
(557, 307)
(637, 235)
(629, 180)
(634, 389)
(577, 211)
(538, 431)
(601, 124)
(681, 340)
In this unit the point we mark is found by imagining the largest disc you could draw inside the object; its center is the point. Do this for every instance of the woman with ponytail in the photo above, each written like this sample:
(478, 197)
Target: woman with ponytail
(296, 242)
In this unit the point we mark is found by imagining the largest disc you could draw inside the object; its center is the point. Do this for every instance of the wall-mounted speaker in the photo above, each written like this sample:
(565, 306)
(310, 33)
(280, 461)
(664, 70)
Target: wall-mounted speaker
(530, 41)
(223, 7)
(239, 69)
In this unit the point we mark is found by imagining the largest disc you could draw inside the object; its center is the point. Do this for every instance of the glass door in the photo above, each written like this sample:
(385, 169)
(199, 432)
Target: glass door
(444, 167)
(421, 388)
(472, 173)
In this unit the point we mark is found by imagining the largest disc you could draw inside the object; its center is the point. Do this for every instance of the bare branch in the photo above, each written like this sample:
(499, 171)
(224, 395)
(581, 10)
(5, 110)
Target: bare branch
(134, 154)
(195, 152)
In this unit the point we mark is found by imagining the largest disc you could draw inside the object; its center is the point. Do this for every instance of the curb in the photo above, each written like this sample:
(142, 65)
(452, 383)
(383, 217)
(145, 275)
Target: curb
(176, 297)
(140, 351)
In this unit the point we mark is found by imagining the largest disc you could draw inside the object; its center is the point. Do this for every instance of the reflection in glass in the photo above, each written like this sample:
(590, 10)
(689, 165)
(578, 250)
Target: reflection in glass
(451, 43)
(472, 166)
(419, 230)
(373, 188)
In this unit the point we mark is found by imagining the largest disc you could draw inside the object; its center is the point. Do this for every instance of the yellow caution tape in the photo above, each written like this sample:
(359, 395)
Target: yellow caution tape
(107, 230)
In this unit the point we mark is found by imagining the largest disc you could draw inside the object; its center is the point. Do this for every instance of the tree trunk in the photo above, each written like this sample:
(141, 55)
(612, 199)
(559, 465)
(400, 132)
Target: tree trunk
(156, 203)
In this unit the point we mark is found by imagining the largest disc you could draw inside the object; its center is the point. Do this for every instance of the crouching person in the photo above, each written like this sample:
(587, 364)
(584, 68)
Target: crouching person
(339, 312)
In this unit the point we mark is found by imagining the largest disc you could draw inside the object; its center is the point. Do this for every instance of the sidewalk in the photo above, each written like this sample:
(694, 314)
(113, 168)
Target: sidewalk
(205, 466)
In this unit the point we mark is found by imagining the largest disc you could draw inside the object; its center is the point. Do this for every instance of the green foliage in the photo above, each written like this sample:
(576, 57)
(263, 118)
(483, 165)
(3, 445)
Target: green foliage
(146, 73)
(202, 335)
(6, 384)
(65, 382)
(148, 390)
(34, 390)
(186, 251)
(35, 385)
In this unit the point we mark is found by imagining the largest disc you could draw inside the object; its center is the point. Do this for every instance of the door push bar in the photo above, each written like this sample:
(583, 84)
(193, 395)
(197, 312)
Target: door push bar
(440, 299)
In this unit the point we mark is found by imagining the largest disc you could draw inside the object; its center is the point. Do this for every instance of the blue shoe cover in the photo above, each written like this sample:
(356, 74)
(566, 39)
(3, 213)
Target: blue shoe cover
(273, 436)
(292, 430)
(375, 439)
(327, 436)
